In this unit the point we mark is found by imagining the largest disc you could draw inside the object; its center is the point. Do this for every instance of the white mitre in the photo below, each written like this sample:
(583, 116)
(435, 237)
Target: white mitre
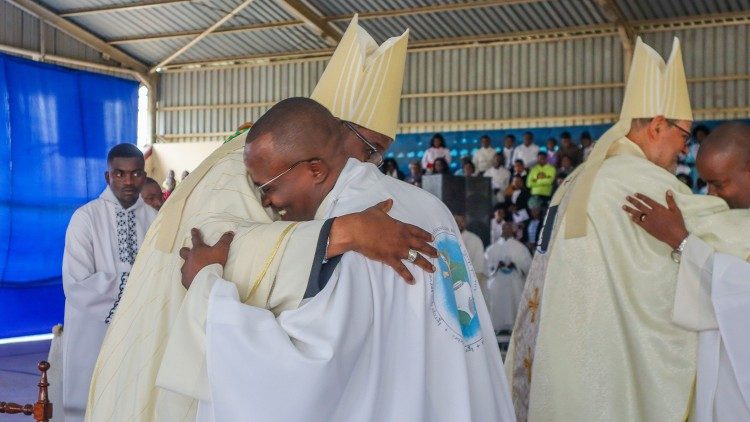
(654, 88)
(362, 82)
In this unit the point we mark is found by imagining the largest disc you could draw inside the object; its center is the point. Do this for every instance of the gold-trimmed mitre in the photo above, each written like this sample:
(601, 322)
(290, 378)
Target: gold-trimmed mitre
(362, 82)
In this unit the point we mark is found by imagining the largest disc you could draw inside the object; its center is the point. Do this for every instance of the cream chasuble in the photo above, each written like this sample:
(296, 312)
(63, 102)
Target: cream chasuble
(607, 347)
(362, 83)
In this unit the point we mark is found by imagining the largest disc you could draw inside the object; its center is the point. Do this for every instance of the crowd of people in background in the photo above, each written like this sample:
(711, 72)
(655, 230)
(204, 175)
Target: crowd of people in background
(524, 175)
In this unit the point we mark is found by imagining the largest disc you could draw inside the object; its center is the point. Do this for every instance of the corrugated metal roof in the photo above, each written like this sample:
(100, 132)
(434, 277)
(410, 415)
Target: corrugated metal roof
(428, 20)
(663, 9)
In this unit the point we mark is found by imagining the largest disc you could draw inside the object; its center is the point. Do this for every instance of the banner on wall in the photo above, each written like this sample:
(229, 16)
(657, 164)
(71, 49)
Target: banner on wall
(56, 126)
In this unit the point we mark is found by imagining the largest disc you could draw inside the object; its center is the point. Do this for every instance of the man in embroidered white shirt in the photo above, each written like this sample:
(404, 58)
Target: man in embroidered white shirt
(101, 243)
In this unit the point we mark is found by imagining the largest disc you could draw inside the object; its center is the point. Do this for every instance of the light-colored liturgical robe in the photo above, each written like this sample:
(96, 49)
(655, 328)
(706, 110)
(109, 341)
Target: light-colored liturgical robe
(607, 347)
(505, 285)
(271, 272)
(368, 346)
(713, 298)
(100, 246)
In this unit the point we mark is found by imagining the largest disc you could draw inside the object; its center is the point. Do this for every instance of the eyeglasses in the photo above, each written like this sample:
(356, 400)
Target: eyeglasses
(686, 133)
(375, 156)
(263, 189)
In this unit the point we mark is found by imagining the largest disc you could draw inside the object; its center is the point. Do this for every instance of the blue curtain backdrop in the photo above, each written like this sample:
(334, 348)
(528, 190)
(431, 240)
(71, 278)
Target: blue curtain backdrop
(56, 126)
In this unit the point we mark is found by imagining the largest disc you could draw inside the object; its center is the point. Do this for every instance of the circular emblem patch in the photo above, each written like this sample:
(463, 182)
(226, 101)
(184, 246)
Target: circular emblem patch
(453, 290)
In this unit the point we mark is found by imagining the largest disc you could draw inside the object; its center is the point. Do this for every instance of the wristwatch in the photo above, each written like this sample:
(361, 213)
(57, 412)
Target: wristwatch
(677, 253)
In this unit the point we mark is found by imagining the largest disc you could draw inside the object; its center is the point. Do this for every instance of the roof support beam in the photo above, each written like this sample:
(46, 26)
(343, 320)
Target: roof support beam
(313, 20)
(471, 4)
(614, 14)
(80, 34)
(202, 35)
(114, 8)
(362, 16)
(230, 30)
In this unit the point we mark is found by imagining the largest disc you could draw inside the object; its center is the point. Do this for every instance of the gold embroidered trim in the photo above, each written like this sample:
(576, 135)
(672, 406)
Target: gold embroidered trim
(268, 261)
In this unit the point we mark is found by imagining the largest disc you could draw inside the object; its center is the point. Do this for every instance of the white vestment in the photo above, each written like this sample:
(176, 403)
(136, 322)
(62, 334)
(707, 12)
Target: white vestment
(713, 297)
(368, 346)
(500, 181)
(100, 246)
(217, 198)
(505, 284)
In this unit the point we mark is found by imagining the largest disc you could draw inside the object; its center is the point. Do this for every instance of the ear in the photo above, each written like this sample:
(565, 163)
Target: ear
(319, 170)
(657, 124)
(106, 176)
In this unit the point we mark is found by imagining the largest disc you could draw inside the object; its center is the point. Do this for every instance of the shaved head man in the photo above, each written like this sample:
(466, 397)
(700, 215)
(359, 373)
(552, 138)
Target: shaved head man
(295, 161)
(363, 323)
(724, 163)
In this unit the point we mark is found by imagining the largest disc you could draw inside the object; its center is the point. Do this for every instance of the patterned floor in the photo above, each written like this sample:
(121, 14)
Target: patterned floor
(19, 375)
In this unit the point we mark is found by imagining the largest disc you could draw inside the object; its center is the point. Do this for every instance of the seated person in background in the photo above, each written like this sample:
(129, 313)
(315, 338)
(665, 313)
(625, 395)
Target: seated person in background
(152, 194)
(534, 225)
(415, 174)
(552, 154)
(500, 177)
(468, 170)
(519, 170)
(541, 178)
(566, 165)
(390, 168)
(517, 193)
(436, 150)
(440, 166)
(169, 184)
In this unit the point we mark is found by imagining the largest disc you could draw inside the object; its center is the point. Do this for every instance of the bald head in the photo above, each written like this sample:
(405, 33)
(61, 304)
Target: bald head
(295, 127)
(724, 163)
(293, 152)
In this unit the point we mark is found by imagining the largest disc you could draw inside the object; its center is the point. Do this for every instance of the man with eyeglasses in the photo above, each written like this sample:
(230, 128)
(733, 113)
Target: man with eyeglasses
(713, 287)
(218, 198)
(597, 339)
(101, 242)
(366, 346)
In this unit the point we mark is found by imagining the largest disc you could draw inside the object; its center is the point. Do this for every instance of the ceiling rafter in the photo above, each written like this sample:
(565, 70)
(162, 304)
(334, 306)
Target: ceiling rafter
(115, 8)
(202, 35)
(80, 34)
(472, 4)
(362, 16)
(184, 34)
(312, 20)
(576, 32)
(614, 14)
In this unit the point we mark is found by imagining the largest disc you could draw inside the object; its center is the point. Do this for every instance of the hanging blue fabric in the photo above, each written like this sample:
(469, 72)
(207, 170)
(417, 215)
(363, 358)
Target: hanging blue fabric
(56, 126)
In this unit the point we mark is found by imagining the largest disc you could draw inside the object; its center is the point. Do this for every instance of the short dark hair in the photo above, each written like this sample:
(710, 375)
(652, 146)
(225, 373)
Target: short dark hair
(565, 134)
(519, 161)
(585, 135)
(701, 128)
(511, 136)
(485, 136)
(124, 150)
(528, 133)
(438, 136)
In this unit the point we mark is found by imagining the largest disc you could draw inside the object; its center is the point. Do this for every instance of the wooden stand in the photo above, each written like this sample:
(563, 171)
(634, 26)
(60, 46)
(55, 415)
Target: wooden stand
(42, 409)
